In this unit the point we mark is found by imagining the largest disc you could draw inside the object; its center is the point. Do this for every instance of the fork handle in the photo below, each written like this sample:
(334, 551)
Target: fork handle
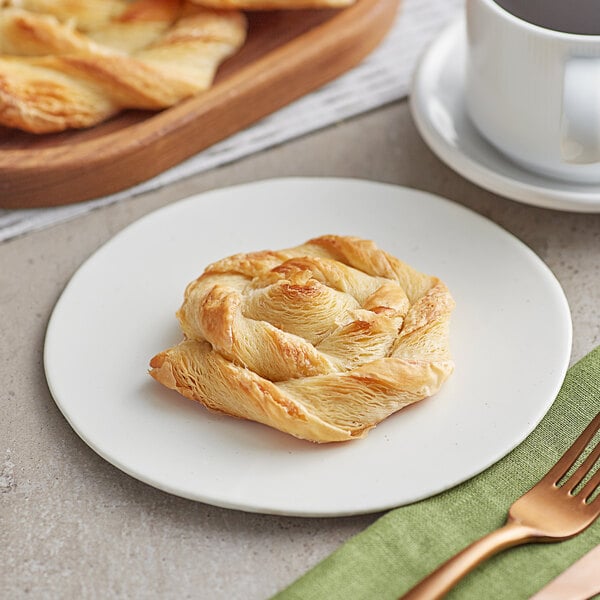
(445, 577)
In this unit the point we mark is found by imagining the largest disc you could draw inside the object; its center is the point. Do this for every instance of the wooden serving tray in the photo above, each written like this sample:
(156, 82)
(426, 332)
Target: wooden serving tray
(286, 55)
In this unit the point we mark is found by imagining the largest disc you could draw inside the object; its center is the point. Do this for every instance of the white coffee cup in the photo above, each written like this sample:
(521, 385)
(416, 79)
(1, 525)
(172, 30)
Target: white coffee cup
(534, 91)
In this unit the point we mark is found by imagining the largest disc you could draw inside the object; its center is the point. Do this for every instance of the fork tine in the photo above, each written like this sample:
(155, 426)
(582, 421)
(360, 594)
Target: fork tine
(590, 487)
(559, 470)
(584, 468)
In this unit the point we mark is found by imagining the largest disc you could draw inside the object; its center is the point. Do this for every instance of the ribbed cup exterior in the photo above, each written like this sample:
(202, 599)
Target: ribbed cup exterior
(514, 87)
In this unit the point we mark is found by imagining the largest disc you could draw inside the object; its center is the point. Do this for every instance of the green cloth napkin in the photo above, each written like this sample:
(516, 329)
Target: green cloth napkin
(407, 543)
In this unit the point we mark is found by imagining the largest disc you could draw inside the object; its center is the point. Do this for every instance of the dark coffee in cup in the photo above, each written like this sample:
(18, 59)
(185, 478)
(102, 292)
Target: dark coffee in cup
(570, 16)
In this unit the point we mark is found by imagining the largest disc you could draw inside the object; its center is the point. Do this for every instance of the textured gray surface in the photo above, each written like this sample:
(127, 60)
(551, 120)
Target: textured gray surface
(72, 525)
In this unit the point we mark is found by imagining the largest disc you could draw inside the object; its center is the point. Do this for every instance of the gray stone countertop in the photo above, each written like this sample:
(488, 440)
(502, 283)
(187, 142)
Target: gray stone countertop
(74, 526)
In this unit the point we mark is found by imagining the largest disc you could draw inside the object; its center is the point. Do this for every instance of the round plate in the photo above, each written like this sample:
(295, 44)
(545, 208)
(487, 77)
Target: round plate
(510, 338)
(438, 108)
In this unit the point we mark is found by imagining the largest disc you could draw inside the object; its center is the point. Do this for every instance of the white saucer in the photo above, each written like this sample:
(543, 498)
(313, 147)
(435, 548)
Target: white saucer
(438, 108)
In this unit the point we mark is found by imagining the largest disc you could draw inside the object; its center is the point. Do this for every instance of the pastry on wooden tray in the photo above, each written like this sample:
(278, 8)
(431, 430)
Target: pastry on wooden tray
(322, 341)
(74, 63)
(249, 5)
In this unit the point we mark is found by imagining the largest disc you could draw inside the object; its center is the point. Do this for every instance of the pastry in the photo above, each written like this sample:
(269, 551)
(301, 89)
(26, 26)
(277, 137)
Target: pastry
(72, 64)
(321, 341)
(249, 5)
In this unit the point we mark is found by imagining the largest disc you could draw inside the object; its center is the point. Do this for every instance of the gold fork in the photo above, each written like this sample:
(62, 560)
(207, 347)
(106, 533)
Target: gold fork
(550, 511)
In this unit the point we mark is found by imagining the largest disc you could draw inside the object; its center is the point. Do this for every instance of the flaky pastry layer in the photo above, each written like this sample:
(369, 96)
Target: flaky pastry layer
(321, 341)
(250, 5)
(74, 63)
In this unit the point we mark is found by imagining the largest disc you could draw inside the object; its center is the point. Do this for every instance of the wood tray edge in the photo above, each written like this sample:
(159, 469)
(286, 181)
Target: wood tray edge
(121, 159)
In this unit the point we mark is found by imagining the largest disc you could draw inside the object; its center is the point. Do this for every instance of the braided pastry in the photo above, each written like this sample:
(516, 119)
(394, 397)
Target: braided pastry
(250, 5)
(322, 341)
(74, 63)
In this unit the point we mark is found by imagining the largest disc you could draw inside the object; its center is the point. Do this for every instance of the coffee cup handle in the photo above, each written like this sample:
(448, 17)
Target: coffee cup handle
(580, 128)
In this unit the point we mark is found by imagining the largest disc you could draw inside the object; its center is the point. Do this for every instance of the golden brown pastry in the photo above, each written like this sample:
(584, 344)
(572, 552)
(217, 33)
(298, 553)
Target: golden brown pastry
(250, 5)
(71, 64)
(322, 341)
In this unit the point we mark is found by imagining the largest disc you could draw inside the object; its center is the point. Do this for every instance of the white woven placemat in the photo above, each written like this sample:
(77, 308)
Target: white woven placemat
(383, 77)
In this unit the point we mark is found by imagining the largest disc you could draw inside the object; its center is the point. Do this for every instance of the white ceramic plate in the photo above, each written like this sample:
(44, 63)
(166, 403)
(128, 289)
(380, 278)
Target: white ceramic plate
(438, 107)
(511, 340)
